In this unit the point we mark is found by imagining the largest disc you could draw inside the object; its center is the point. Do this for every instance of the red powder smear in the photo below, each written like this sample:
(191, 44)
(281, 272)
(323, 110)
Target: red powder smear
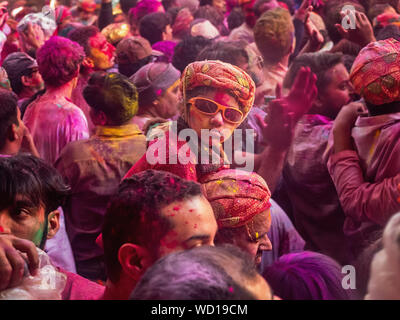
(186, 222)
(176, 208)
(230, 289)
(1, 229)
(191, 210)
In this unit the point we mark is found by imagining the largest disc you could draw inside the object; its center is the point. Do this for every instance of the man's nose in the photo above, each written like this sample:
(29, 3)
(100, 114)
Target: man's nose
(217, 120)
(265, 243)
(4, 224)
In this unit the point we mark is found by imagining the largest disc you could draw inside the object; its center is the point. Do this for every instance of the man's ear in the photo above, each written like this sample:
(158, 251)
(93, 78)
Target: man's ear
(88, 63)
(12, 132)
(53, 223)
(134, 260)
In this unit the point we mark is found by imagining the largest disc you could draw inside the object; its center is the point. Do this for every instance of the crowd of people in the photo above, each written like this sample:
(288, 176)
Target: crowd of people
(200, 149)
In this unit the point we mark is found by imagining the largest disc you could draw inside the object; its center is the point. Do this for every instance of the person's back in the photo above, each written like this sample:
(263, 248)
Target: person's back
(94, 167)
(366, 172)
(274, 37)
(52, 118)
(53, 124)
(377, 137)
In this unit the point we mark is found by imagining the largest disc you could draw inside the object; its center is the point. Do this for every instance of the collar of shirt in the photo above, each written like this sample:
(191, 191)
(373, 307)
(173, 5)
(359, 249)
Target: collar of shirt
(118, 131)
(377, 120)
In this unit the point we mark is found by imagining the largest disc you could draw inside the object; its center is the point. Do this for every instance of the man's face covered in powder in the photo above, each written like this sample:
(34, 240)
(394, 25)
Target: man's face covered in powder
(24, 220)
(101, 52)
(253, 237)
(193, 224)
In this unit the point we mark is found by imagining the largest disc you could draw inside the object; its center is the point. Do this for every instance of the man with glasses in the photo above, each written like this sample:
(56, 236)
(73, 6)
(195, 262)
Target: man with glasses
(24, 76)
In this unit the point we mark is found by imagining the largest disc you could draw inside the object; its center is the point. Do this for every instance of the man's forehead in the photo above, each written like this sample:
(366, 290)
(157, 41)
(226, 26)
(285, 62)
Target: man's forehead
(21, 199)
(97, 39)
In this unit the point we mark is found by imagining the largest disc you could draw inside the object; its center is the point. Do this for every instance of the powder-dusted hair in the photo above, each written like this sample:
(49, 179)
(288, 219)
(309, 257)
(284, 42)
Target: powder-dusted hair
(274, 34)
(59, 60)
(114, 94)
(202, 273)
(306, 275)
(134, 213)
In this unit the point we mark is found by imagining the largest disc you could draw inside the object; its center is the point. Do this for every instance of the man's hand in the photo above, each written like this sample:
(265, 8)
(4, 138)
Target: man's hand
(278, 125)
(32, 38)
(316, 39)
(11, 261)
(344, 123)
(302, 94)
(362, 34)
(3, 13)
(304, 9)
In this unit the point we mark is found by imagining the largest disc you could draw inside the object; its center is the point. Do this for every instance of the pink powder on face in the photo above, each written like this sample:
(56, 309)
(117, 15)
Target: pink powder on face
(1, 229)
(176, 208)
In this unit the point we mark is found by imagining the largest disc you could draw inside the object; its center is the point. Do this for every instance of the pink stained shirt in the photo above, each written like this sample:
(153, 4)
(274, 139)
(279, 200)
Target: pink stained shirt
(53, 124)
(80, 288)
(367, 181)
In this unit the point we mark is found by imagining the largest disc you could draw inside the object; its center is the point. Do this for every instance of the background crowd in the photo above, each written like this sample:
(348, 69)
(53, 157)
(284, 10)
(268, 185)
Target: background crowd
(91, 90)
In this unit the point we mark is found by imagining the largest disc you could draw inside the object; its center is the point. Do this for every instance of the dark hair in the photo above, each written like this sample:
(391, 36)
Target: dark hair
(205, 3)
(59, 60)
(173, 13)
(8, 113)
(235, 18)
(130, 68)
(306, 276)
(319, 63)
(347, 47)
(34, 179)
(377, 9)
(82, 35)
(126, 5)
(168, 4)
(202, 273)
(211, 14)
(133, 214)
(224, 51)
(186, 51)
(153, 25)
(390, 31)
(114, 94)
(333, 16)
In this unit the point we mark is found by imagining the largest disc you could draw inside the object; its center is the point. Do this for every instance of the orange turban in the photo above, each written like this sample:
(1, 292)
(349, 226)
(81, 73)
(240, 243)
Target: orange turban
(219, 75)
(376, 72)
(236, 196)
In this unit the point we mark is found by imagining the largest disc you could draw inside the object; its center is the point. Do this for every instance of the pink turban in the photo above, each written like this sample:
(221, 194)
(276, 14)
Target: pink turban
(376, 72)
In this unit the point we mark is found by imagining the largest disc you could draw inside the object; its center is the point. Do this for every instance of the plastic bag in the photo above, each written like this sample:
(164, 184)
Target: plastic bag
(44, 20)
(48, 284)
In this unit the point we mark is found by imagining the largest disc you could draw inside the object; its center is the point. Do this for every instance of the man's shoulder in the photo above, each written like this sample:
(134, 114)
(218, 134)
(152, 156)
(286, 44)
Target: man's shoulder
(80, 288)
